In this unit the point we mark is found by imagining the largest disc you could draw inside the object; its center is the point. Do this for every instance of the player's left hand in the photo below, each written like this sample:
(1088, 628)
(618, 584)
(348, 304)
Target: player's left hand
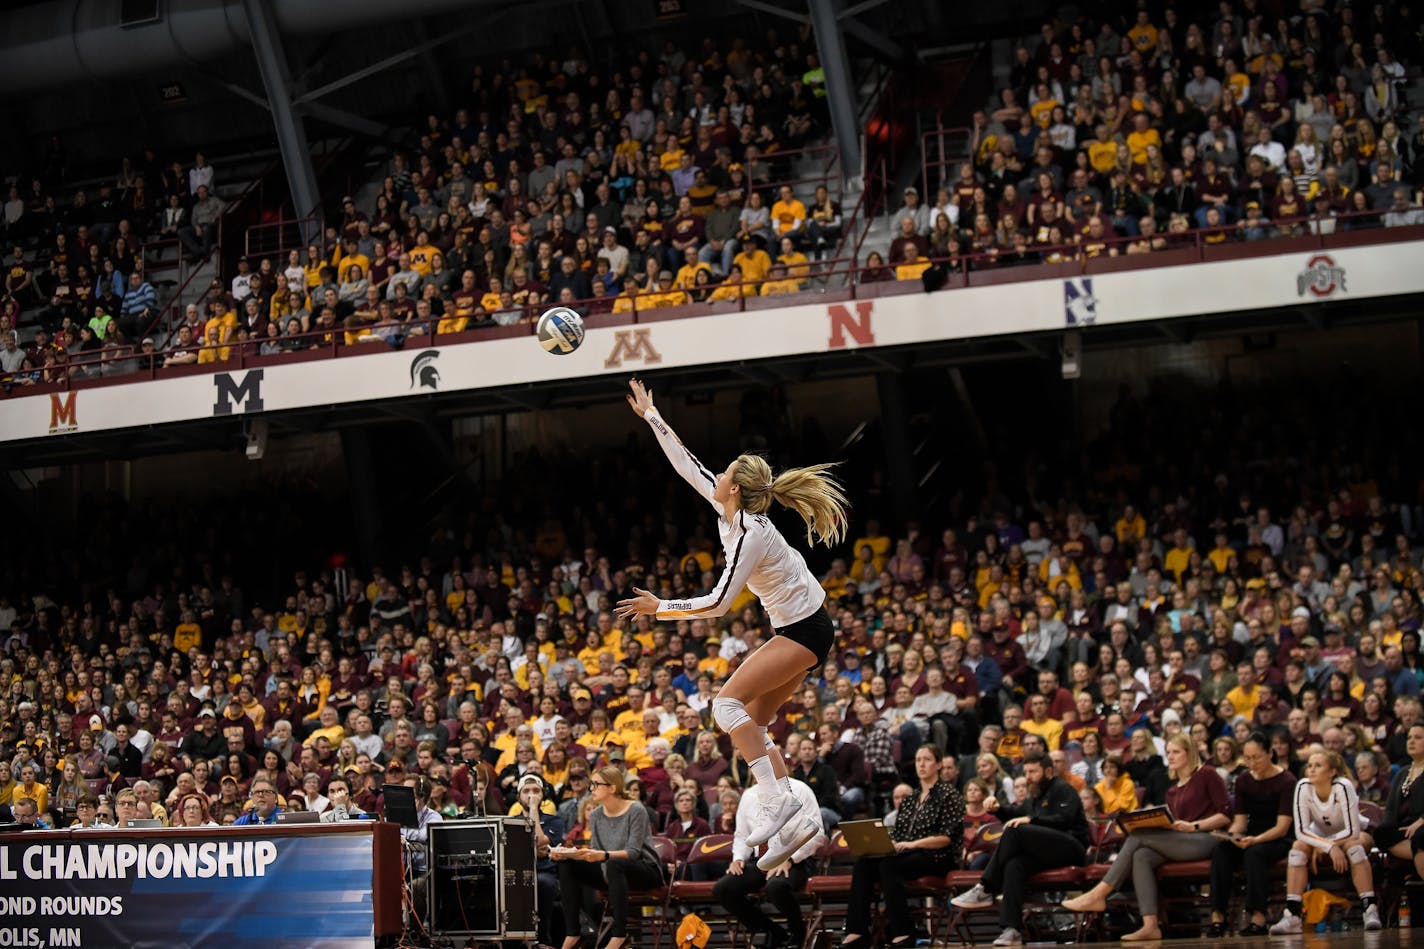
(644, 604)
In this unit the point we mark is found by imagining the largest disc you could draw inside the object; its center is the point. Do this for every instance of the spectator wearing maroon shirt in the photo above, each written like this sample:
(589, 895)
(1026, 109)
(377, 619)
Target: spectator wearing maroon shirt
(1199, 802)
(1009, 655)
(1061, 705)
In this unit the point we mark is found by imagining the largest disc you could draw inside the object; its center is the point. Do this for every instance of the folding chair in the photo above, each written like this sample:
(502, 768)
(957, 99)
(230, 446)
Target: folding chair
(986, 840)
(1181, 885)
(696, 895)
(830, 888)
(656, 899)
(1107, 839)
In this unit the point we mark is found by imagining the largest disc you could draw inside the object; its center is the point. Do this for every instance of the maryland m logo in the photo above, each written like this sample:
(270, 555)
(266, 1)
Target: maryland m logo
(63, 413)
(857, 325)
(634, 346)
(247, 394)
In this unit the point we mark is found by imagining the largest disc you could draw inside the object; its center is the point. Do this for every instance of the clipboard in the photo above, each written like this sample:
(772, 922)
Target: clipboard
(1146, 818)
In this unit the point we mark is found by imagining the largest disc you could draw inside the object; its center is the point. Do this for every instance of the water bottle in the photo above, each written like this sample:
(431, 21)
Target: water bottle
(1404, 920)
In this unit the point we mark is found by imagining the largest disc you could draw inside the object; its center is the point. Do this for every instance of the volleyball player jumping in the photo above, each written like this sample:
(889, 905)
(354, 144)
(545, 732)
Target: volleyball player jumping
(758, 557)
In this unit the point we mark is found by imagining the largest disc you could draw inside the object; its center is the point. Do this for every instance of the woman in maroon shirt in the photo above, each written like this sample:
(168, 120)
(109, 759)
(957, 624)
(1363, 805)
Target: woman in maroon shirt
(1197, 800)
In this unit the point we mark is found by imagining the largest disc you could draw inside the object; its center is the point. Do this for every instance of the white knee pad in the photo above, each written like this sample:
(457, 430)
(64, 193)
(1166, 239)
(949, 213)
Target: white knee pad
(1357, 855)
(729, 713)
(1296, 858)
(766, 738)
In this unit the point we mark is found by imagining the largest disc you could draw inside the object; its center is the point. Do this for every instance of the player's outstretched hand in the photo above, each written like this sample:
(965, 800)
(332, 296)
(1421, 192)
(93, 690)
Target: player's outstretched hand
(645, 604)
(640, 398)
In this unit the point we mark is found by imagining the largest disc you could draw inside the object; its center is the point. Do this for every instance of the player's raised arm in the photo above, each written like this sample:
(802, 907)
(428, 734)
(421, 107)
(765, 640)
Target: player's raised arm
(684, 462)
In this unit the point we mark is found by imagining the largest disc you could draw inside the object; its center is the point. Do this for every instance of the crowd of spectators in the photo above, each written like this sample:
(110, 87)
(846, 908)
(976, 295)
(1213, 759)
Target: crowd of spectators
(1261, 585)
(1119, 135)
(77, 280)
(657, 183)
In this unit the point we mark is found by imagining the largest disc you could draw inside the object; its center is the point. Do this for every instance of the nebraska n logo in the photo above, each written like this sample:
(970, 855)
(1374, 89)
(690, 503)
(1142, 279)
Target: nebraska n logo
(634, 346)
(63, 415)
(247, 393)
(857, 326)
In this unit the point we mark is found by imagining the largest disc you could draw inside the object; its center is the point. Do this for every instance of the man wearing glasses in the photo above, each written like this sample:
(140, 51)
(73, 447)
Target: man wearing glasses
(264, 809)
(27, 815)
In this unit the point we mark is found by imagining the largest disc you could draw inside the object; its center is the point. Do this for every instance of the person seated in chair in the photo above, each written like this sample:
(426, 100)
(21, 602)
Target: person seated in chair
(548, 830)
(620, 857)
(1198, 800)
(928, 836)
(781, 884)
(1328, 824)
(1404, 809)
(1043, 831)
(1261, 836)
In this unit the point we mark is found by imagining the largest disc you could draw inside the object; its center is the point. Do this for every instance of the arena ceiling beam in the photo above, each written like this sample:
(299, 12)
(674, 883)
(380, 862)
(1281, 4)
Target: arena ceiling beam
(291, 134)
(840, 86)
(344, 119)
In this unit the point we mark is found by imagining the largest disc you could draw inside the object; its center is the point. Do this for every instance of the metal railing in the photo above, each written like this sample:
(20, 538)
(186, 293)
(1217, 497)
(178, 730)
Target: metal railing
(277, 238)
(942, 150)
(857, 224)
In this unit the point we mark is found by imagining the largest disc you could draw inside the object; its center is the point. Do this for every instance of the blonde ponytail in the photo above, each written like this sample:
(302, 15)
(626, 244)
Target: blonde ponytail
(810, 492)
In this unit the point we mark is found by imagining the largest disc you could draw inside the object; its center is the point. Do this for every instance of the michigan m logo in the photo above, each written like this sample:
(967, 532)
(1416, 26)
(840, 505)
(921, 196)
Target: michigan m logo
(633, 346)
(247, 394)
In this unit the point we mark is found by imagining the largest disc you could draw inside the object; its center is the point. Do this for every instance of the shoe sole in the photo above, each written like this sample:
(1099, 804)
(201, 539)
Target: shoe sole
(988, 905)
(756, 840)
(766, 865)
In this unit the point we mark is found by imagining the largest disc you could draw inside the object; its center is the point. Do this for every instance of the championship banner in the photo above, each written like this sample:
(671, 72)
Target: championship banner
(178, 889)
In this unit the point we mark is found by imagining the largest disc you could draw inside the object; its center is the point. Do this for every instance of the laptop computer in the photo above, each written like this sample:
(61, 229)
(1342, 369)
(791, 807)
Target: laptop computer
(400, 805)
(298, 817)
(867, 838)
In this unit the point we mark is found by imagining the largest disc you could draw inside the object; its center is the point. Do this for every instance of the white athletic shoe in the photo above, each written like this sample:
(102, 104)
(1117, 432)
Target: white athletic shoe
(976, 897)
(791, 839)
(1372, 918)
(1009, 937)
(1289, 925)
(775, 814)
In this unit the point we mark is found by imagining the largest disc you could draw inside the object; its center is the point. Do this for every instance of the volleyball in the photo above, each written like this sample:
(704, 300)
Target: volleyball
(560, 330)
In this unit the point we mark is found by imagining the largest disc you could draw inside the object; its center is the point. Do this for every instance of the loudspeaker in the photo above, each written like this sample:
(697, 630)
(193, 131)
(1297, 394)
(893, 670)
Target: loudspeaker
(256, 439)
(1071, 349)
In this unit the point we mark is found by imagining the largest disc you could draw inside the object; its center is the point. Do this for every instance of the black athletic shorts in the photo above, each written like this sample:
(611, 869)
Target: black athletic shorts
(815, 632)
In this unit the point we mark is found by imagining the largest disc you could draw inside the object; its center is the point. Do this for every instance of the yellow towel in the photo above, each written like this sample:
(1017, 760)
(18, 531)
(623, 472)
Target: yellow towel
(1316, 905)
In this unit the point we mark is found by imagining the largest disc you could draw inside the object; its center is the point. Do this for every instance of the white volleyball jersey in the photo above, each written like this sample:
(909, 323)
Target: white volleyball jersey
(1322, 824)
(758, 557)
